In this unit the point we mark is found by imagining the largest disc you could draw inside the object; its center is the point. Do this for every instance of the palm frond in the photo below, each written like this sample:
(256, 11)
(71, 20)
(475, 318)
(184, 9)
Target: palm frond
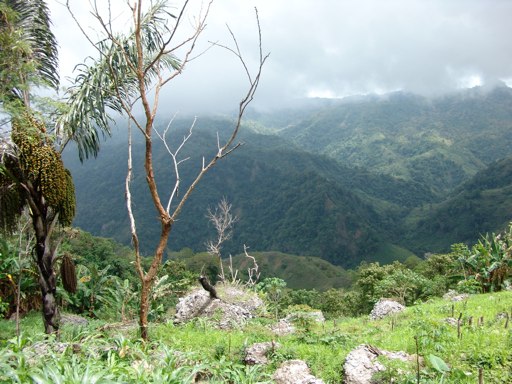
(110, 84)
(35, 24)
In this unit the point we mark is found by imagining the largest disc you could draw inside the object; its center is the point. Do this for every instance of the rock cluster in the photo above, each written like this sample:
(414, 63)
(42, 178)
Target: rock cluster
(234, 307)
(385, 307)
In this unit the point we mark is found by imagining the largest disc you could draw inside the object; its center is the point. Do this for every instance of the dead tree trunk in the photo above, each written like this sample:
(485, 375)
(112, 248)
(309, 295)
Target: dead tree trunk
(144, 309)
(205, 283)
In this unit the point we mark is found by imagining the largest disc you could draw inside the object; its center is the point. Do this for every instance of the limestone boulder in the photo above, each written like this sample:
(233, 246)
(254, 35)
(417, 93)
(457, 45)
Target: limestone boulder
(233, 308)
(257, 353)
(295, 372)
(385, 307)
(282, 328)
(361, 364)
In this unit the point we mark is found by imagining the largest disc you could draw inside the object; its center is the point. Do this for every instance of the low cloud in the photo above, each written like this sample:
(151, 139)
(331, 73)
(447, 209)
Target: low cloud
(338, 48)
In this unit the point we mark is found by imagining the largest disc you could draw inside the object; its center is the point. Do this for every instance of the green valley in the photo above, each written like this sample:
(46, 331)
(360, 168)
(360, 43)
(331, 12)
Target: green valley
(359, 179)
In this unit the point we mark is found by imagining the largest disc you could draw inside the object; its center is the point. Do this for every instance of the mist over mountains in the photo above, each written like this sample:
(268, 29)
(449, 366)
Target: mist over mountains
(372, 178)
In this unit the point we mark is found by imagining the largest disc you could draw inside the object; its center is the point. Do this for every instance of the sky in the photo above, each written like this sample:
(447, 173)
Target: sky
(325, 48)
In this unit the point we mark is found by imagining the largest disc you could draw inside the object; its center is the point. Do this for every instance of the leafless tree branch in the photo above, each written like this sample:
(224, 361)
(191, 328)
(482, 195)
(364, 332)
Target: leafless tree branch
(253, 272)
(174, 156)
(227, 147)
(223, 221)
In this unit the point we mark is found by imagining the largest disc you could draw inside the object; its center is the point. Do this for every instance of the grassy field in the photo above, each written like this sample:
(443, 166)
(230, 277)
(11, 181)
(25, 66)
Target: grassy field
(196, 351)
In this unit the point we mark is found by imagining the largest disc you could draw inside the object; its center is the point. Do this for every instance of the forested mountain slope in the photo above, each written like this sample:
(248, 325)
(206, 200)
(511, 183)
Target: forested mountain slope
(286, 200)
(438, 142)
(343, 180)
(481, 205)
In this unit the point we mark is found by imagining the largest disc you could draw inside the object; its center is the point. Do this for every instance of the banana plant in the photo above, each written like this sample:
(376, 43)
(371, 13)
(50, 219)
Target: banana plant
(489, 261)
(121, 297)
(93, 285)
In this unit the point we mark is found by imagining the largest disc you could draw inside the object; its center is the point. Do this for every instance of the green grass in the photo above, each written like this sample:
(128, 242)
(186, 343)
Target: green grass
(300, 272)
(181, 354)
(387, 253)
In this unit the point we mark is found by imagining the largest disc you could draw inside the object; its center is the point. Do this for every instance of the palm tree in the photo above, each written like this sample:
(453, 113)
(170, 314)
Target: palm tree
(31, 170)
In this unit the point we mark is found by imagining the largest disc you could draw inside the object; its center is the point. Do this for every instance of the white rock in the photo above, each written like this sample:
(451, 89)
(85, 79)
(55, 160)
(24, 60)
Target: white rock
(385, 307)
(294, 372)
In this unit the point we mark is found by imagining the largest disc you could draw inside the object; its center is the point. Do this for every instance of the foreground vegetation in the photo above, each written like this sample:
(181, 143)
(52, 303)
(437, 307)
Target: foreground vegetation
(476, 340)
(181, 354)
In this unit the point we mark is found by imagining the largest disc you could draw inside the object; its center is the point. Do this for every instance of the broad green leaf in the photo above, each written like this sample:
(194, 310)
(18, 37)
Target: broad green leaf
(438, 364)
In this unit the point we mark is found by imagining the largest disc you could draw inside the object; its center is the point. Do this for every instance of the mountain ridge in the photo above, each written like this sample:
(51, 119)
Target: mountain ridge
(295, 200)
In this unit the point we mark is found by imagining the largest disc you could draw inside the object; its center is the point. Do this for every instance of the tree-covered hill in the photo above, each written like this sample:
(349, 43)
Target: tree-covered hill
(299, 272)
(438, 142)
(286, 200)
(482, 204)
(359, 179)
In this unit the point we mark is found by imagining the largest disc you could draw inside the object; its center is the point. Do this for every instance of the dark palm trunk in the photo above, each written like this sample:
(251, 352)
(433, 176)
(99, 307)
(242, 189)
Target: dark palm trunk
(44, 255)
(48, 285)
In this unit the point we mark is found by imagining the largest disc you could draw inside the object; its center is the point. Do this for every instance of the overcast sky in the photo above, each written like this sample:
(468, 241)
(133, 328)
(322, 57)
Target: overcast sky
(331, 48)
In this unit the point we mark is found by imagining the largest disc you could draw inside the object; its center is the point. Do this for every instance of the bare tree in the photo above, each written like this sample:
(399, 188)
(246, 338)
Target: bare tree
(131, 70)
(254, 271)
(223, 221)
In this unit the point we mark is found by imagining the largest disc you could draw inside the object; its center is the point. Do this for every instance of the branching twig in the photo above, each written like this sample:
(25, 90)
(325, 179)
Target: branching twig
(253, 272)
(174, 156)
(223, 221)
(227, 147)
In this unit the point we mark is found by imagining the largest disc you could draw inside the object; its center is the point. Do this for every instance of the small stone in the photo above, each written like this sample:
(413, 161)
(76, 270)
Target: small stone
(451, 321)
(68, 318)
(257, 353)
(282, 328)
(455, 296)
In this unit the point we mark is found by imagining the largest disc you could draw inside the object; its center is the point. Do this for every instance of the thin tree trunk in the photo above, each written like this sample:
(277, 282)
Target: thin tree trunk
(144, 309)
(148, 279)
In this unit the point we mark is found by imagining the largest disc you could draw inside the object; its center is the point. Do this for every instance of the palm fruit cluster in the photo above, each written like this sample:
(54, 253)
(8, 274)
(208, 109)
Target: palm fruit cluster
(68, 274)
(11, 199)
(40, 164)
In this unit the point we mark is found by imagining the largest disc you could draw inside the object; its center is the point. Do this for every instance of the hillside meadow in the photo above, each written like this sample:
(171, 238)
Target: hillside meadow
(103, 353)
